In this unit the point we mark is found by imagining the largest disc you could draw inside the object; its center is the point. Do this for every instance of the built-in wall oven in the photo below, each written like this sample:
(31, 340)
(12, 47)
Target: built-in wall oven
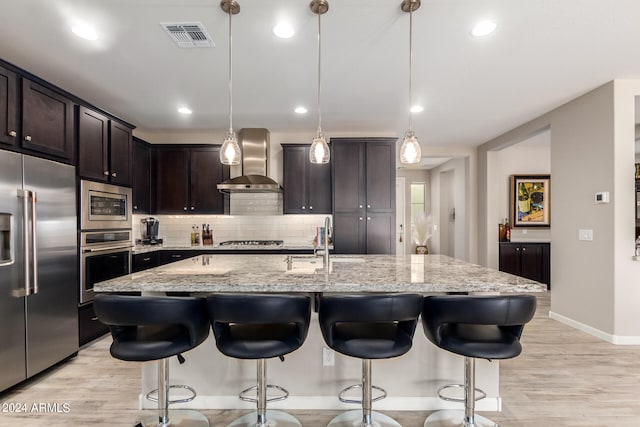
(104, 255)
(105, 236)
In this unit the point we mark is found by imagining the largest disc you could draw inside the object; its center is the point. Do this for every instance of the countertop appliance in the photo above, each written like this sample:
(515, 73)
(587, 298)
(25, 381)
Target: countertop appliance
(149, 229)
(38, 266)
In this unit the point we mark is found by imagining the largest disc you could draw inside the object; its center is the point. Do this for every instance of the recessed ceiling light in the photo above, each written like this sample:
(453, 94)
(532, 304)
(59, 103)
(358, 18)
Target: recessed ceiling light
(300, 110)
(483, 28)
(283, 30)
(417, 109)
(184, 110)
(85, 31)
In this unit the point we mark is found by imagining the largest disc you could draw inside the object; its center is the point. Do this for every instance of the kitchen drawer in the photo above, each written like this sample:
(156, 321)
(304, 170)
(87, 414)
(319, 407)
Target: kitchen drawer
(167, 257)
(145, 261)
(89, 326)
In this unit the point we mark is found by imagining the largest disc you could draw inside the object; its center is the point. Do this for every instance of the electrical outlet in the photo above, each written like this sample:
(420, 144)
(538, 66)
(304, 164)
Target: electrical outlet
(328, 357)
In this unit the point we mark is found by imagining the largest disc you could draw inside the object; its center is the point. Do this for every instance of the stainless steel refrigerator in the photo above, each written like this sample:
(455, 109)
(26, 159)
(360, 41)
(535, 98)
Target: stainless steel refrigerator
(38, 266)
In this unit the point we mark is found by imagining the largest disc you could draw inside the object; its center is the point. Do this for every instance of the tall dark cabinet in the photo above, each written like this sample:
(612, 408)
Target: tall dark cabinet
(363, 171)
(307, 186)
(141, 183)
(530, 260)
(186, 179)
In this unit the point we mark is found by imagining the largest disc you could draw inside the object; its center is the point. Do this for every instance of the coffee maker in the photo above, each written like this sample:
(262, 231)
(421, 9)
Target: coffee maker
(149, 231)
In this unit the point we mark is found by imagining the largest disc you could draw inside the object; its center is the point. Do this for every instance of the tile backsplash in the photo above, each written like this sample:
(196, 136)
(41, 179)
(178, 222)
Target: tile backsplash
(292, 229)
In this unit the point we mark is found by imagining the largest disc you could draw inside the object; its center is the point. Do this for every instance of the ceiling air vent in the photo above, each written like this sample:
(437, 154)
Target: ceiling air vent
(190, 34)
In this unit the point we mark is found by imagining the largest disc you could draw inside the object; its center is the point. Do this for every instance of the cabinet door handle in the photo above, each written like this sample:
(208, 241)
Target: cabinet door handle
(94, 318)
(12, 133)
(176, 256)
(517, 249)
(146, 259)
(105, 173)
(368, 218)
(27, 138)
(368, 206)
(303, 208)
(360, 206)
(360, 218)
(114, 174)
(310, 207)
(524, 249)
(135, 208)
(192, 208)
(185, 208)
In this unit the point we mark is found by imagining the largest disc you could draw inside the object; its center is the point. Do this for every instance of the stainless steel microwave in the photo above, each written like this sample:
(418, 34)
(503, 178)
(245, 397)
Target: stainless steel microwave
(104, 206)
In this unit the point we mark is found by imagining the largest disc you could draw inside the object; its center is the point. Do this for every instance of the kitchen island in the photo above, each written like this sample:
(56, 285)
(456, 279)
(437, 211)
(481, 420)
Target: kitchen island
(313, 379)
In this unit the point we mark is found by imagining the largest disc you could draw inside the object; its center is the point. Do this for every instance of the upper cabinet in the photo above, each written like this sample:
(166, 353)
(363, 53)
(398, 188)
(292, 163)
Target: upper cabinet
(8, 107)
(186, 179)
(363, 195)
(105, 148)
(141, 185)
(47, 121)
(307, 186)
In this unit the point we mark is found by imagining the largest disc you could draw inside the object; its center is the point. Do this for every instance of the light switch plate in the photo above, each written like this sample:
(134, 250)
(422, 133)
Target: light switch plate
(584, 234)
(602, 197)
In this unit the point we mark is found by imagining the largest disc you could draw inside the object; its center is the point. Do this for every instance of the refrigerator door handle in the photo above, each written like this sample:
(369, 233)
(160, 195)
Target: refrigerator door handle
(27, 253)
(30, 247)
(34, 242)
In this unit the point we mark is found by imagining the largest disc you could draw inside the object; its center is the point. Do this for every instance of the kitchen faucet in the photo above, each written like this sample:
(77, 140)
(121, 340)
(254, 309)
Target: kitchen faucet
(325, 258)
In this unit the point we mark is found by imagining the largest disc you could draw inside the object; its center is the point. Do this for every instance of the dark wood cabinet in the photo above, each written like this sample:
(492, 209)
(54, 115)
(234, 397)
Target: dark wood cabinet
(363, 195)
(144, 261)
(47, 121)
(8, 107)
(104, 148)
(141, 179)
(89, 327)
(186, 179)
(530, 260)
(307, 186)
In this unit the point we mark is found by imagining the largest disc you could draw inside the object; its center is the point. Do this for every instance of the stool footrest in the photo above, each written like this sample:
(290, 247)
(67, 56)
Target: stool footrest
(481, 393)
(149, 396)
(271, 399)
(351, 387)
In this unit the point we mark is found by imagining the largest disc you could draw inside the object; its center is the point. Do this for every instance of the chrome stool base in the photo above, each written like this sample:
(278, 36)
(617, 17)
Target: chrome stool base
(354, 419)
(274, 419)
(455, 418)
(177, 418)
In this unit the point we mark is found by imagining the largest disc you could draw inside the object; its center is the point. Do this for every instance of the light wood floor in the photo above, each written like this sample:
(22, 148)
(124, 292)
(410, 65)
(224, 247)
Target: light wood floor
(563, 378)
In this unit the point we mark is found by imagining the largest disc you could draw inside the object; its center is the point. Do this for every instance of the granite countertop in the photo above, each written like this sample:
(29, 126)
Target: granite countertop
(141, 249)
(301, 273)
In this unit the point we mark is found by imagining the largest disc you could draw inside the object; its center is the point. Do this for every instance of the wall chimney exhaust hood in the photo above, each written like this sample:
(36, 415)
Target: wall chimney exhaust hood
(254, 143)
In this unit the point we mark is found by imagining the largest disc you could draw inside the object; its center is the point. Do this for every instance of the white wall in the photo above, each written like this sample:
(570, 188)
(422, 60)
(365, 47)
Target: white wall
(529, 157)
(594, 284)
(461, 172)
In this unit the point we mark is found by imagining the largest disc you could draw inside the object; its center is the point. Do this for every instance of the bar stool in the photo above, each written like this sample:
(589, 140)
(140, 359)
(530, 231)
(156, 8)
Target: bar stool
(155, 328)
(260, 327)
(368, 327)
(486, 327)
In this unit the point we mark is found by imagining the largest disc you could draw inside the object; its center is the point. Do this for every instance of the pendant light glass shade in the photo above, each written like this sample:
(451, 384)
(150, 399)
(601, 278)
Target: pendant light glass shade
(319, 151)
(410, 152)
(230, 153)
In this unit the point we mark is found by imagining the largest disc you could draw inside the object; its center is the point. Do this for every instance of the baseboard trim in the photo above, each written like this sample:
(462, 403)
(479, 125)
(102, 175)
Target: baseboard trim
(613, 339)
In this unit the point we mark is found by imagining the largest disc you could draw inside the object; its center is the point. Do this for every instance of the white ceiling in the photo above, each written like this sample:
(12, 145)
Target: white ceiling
(543, 54)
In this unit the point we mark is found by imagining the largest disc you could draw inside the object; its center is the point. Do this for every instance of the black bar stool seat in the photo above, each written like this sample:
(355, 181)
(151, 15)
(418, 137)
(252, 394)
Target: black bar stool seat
(485, 327)
(368, 327)
(156, 328)
(260, 327)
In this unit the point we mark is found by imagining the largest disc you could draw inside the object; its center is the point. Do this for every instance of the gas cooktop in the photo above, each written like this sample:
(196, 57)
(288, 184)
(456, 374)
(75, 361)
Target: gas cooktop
(252, 242)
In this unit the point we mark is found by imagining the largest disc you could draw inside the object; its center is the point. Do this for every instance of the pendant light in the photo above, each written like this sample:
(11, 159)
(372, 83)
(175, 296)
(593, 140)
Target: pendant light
(230, 152)
(410, 152)
(319, 150)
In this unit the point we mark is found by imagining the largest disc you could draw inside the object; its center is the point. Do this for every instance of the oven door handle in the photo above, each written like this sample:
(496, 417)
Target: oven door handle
(110, 248)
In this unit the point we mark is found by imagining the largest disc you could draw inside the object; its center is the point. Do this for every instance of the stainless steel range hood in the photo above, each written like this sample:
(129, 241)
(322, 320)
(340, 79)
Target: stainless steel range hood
(254, 143)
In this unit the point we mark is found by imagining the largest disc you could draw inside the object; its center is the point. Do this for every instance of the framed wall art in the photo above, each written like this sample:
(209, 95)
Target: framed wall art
(529, 201)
